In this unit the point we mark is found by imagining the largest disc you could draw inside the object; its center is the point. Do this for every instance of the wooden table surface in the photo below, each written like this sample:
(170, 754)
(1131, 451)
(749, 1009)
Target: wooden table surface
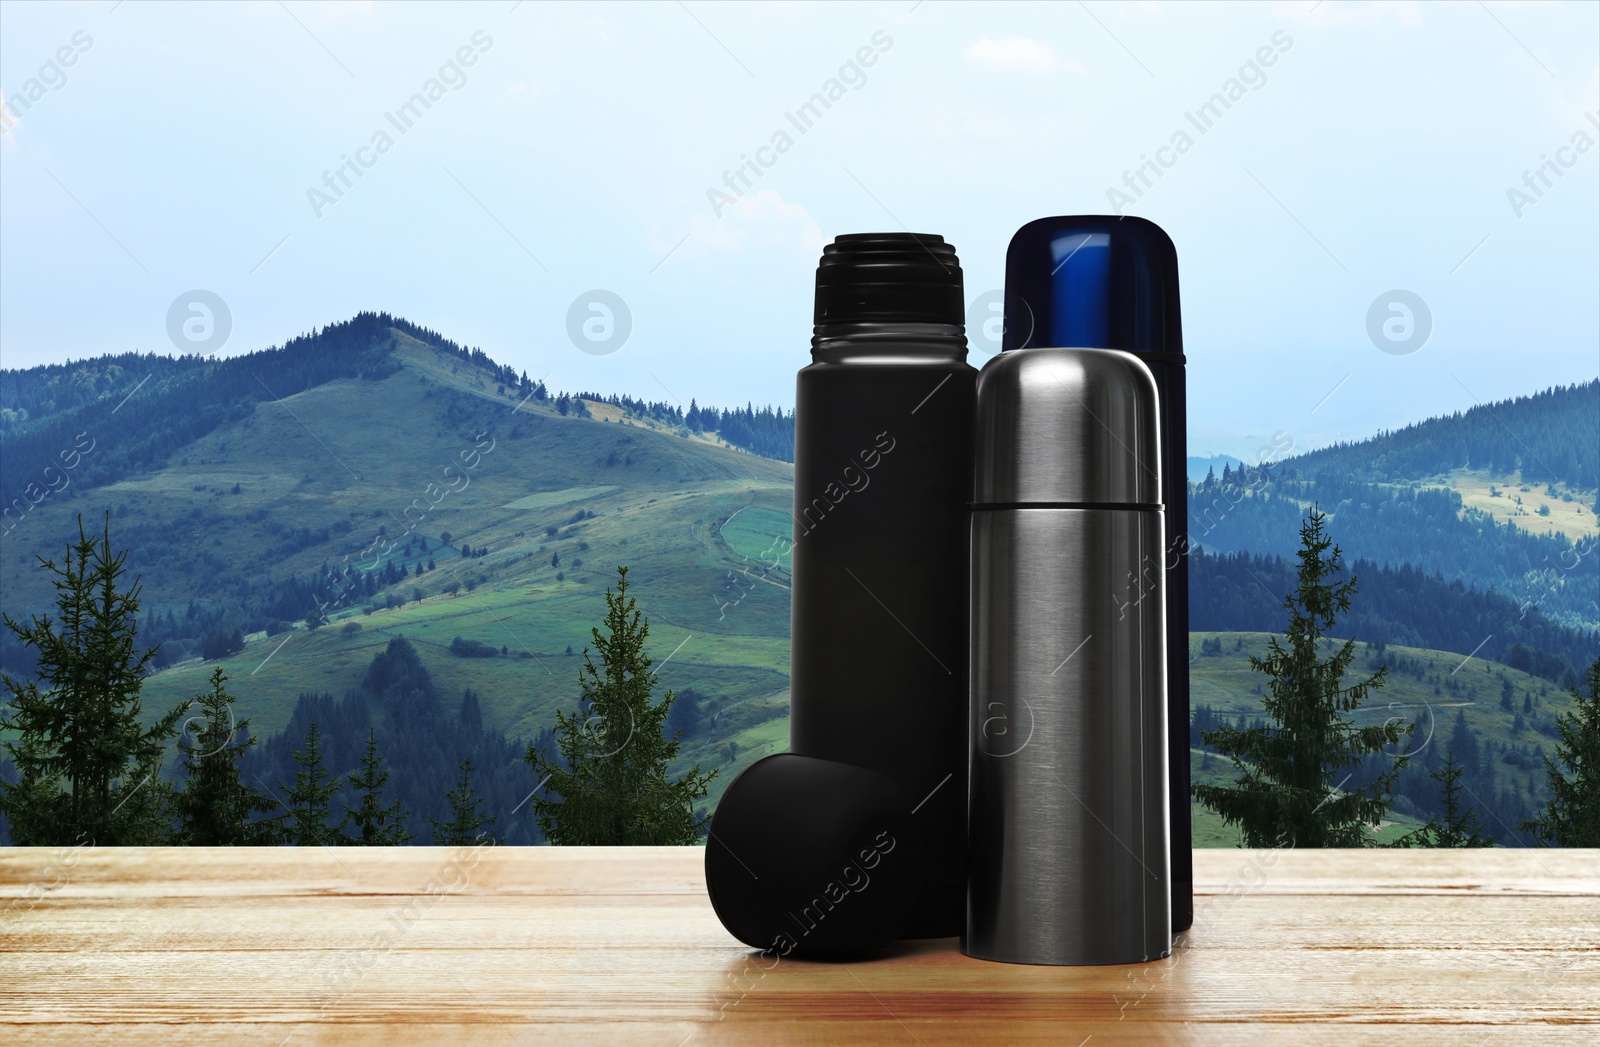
(598, 946)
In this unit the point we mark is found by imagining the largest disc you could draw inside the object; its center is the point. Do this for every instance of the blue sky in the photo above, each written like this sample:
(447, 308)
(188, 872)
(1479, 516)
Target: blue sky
(153, 149)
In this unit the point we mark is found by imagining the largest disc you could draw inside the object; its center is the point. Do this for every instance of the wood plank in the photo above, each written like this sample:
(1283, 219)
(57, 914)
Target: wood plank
(619, 945)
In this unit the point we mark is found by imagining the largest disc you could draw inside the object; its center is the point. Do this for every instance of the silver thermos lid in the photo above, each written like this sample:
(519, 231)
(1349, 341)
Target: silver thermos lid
(1067, 427)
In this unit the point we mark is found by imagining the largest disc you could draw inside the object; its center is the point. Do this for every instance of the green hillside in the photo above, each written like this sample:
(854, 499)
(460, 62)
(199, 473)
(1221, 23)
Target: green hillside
(1426, 525)
(556, 501)
(1501, 497)
(1428, 688)
(1553, 508)
(412, 488)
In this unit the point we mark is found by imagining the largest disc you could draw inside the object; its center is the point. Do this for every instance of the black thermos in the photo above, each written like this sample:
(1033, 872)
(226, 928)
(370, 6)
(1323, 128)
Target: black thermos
(883, 467)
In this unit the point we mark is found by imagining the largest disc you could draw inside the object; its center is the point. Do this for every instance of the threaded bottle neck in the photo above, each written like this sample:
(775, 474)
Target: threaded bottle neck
(889, 277)
(838, 343)
(889, 296)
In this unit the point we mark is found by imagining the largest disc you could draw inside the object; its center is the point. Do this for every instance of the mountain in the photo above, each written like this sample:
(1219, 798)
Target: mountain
(1502, 497)
(295, 512)
(1259, 512)
(1552, 437)
(386, 453)
(132, 411)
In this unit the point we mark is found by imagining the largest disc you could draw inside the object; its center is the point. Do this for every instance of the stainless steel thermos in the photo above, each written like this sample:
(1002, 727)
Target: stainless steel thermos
(1068, 799)
(1111, 282)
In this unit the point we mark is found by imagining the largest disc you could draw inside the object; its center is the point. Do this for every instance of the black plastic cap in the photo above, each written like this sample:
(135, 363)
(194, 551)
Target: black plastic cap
(889, 277)
(1139, 284)
(815, 858)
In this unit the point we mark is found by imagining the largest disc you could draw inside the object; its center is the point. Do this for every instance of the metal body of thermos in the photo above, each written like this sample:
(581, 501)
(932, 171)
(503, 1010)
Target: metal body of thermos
(1111, 282)
(1068, 777)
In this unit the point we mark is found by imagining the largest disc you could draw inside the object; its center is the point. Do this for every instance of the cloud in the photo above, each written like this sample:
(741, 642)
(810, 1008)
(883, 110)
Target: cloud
(521, 92)
(1017, 53)
(761, 219)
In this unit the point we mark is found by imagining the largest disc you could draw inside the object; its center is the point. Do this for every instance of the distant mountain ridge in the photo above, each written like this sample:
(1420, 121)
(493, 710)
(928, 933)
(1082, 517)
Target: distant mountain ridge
(1501, 497)
(136, 422)
(397, 487)
(137, 409)
(1546, 437)
(1549, 436)
(295, 511)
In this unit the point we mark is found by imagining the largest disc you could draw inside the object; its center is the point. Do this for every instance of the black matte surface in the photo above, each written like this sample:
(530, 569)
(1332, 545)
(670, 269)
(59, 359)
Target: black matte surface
(883, 467)
(815, 858)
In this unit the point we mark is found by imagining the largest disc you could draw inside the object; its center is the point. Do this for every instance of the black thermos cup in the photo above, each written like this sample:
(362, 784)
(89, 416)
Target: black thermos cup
(883, 468)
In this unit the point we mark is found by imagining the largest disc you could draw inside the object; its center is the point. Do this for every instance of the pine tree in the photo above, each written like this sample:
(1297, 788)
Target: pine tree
(216, 808)
(375, 825)
(87, 767)
(1293, 770)
(306, 820)
(1460, 828)
(1571, 816)
(468, 825)
(1464, 742)
(611, 773)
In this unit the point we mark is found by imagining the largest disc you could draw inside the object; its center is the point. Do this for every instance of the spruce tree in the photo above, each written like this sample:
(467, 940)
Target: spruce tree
(1293, 771)
(375, 825)
(88, 768)
(216, 808)
(468, 825)
(1464, 743)
(611, 771)
(1571, 816)
(305, 822)
(1460, 826)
